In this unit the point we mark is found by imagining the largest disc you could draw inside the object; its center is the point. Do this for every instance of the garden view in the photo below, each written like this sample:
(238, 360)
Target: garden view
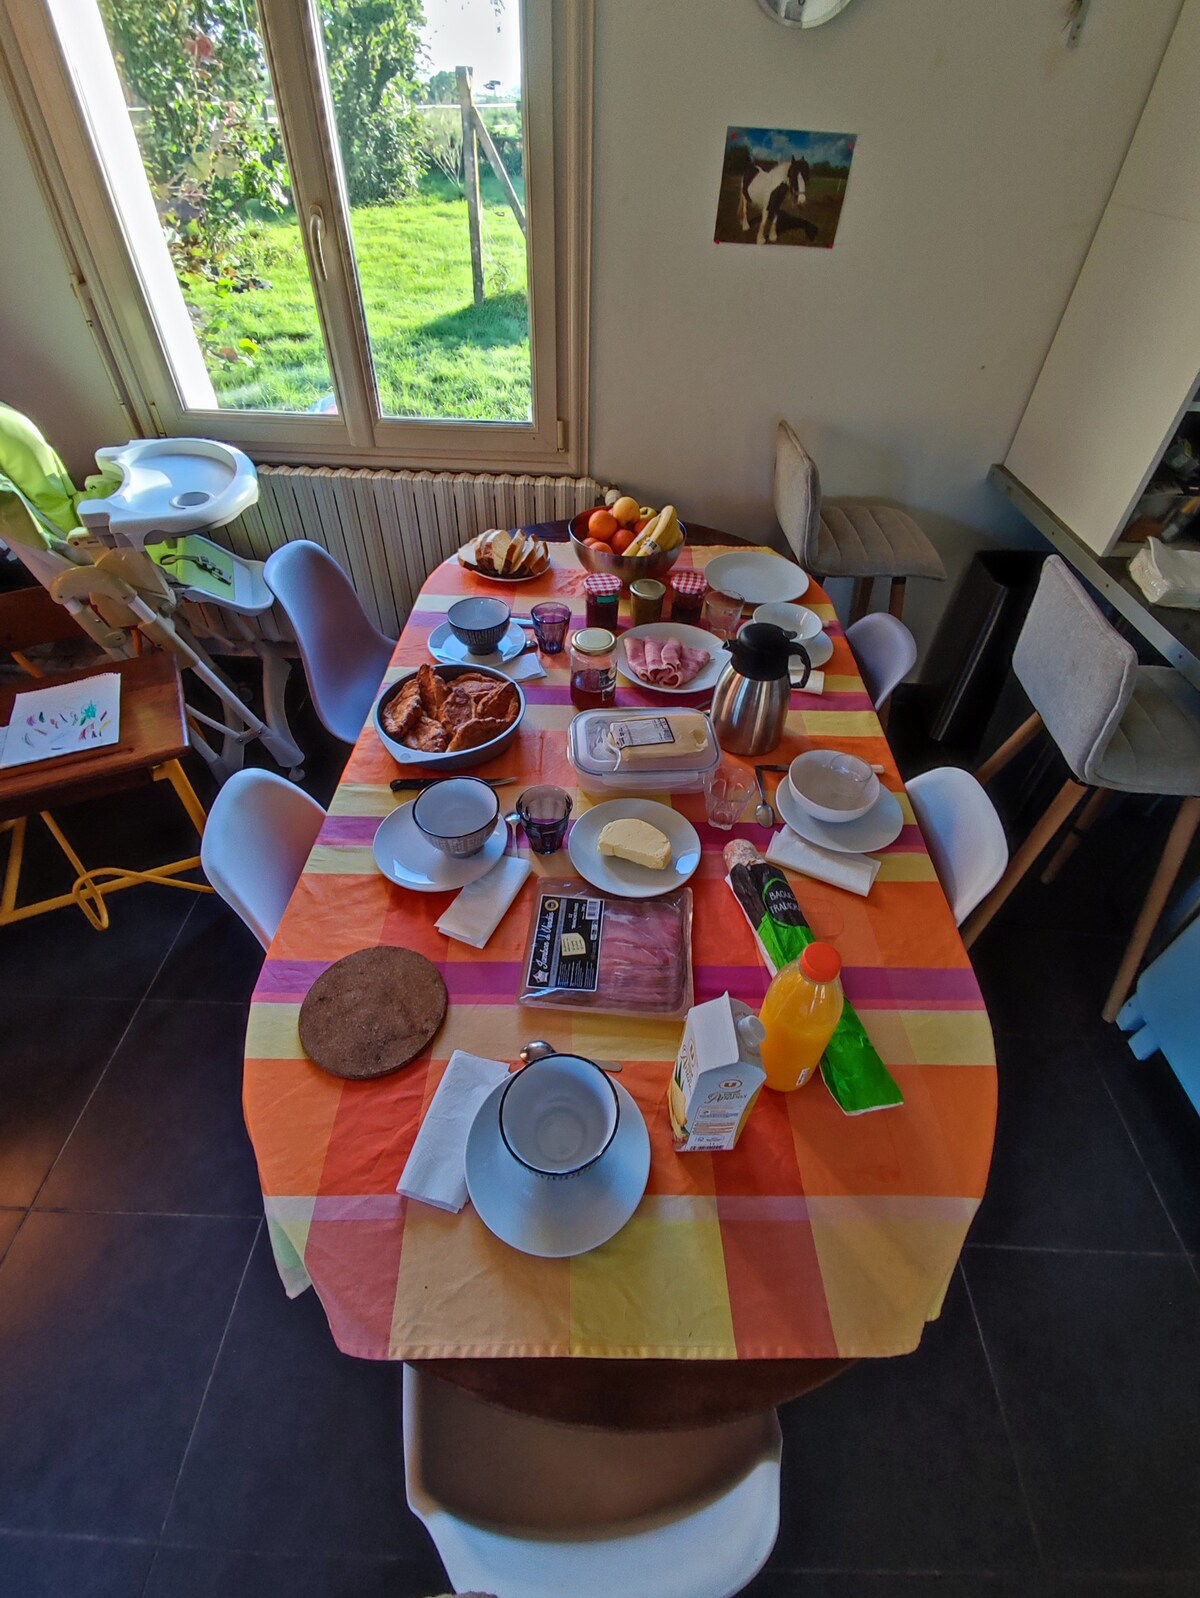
(203, 110)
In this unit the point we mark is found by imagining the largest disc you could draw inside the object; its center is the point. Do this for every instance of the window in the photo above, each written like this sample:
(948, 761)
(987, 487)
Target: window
(325, 230)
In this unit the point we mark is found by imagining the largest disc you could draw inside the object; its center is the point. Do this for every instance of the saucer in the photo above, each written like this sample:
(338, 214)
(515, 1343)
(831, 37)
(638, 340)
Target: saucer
(818, 650)
(443, 645)
(880, 826)
(410, 861)
(556, 1219)
(623, 876)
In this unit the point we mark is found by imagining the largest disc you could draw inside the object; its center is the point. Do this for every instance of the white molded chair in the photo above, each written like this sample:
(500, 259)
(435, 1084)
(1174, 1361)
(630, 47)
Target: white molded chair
(344, 654)
(641, 1514)
(885, 651)
(963, 834)
(260, 832)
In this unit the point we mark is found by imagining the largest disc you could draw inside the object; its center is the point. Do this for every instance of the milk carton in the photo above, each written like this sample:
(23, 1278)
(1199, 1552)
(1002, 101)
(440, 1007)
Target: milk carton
(717, 1077)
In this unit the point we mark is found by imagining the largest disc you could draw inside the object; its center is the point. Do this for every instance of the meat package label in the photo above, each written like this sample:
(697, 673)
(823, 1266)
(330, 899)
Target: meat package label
(566, 943)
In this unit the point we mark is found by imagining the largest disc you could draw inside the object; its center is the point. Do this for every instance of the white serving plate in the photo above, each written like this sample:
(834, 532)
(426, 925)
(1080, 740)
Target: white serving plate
(694, 637)
(758, 576)
(555, 1219)
(623, 877)
(451, 651)
(407, 858)
(881, 825)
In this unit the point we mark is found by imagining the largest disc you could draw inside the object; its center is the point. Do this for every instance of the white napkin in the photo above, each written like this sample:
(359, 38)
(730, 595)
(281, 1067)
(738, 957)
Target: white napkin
(524, 668)
(435, 1171)
(481, 906)
(856, 872)
(816, 679)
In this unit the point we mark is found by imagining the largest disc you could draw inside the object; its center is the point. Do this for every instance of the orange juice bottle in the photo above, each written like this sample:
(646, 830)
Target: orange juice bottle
(801, 1009)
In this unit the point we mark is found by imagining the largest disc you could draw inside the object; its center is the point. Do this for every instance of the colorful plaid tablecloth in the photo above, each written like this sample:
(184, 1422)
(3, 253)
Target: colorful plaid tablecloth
(820, 1236)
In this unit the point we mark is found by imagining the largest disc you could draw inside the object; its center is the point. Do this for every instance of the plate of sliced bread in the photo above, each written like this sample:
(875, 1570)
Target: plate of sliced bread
(506, 556)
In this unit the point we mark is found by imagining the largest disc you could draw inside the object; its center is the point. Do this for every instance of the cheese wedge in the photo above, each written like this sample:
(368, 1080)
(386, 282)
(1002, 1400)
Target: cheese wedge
(637, 841)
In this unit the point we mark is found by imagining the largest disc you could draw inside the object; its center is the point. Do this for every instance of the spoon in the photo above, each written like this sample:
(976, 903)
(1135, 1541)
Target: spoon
(763, 812)
(538, 1049)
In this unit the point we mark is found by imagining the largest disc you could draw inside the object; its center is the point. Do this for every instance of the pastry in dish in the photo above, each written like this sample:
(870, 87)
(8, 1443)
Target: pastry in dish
(439, 717)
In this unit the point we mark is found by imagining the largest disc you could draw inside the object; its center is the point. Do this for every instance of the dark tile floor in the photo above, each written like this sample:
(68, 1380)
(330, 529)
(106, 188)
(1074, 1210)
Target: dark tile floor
(171, 1426)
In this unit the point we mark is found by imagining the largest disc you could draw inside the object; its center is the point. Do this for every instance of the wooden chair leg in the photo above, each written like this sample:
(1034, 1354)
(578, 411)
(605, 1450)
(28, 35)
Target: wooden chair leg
(896, 597)
(1044, 829)
(1078, 830)
(1025, 733)
(860, 603)
(1176, 847)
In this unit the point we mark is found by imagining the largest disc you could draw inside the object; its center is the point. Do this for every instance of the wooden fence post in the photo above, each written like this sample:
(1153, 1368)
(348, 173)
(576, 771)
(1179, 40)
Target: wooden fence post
(471, 177)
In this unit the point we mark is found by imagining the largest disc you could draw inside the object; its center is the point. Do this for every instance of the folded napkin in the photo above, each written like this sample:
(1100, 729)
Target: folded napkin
(853, 871)
(523, 668)
(435, 1171)
(479, 909)
(816, 679)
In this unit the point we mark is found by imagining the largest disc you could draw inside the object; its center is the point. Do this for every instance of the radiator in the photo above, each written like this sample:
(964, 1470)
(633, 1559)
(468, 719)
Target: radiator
(388, 530)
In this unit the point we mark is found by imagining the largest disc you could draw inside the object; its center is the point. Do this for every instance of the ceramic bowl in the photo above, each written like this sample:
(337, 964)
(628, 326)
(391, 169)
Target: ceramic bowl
(479, 622)
(832, 786)
(627, 567)
(558, 1115)
(457, 815)
(798, 619)
(461, 759)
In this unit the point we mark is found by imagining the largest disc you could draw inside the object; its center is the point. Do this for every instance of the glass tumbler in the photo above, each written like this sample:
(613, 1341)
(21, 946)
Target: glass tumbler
(725, 795)
(544, 814)
(722, 613)
(550, 622)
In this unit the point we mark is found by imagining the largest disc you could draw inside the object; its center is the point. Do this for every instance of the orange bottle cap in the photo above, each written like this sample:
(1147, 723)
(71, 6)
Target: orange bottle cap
(820, 962)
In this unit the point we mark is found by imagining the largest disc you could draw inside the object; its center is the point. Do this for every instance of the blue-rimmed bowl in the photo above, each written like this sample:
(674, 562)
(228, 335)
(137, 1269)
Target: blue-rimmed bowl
(479, 622)
(558, 1115)
(457, 815)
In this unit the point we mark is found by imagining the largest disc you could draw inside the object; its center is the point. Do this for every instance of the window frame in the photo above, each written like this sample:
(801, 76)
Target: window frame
(116, 302)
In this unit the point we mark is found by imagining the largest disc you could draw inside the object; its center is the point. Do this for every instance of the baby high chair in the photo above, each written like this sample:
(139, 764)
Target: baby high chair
(138, 555)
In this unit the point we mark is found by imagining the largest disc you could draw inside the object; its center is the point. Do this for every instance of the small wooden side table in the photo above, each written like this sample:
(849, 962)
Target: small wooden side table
(153, 737)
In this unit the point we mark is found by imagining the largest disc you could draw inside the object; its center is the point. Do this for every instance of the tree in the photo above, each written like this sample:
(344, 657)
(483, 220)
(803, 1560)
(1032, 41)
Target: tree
(198, 91)
(371, 47)
(441, 89)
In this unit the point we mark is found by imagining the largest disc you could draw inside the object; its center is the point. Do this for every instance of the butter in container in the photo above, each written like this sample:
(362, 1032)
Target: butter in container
(642, 751)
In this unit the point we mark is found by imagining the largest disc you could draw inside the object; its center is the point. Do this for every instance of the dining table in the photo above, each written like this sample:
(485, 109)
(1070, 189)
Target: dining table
(746, 1277)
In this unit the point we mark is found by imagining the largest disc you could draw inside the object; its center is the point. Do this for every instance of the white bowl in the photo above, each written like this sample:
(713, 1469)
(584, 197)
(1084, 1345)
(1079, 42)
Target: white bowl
(825, 792)
(798, 619)
(558, 1115)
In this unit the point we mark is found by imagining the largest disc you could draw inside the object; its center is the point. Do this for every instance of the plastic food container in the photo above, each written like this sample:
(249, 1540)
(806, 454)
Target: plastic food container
(664, 767)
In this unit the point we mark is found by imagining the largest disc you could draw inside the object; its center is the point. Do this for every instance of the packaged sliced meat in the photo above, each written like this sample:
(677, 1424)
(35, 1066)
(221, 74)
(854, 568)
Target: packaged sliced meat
(589, 950)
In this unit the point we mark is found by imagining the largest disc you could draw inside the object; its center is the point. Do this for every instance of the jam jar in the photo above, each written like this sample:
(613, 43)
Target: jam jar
(688, 589)
(602, 591)
(593, 668)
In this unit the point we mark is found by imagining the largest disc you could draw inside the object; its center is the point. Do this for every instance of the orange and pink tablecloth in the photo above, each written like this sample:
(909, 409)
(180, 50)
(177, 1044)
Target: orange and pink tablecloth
(820, 1236)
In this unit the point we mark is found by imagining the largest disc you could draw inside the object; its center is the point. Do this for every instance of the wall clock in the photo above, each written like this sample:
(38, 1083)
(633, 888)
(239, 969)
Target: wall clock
(803, 13)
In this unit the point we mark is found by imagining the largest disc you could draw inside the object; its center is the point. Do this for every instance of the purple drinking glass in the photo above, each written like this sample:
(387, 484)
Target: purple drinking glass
(544, 814)
(550, 622)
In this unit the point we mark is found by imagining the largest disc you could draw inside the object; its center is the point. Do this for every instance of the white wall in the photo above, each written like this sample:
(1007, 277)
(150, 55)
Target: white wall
(905, 354)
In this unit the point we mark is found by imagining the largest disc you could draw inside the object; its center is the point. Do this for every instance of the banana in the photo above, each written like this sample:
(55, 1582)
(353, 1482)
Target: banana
(638, 547)
(667, 534)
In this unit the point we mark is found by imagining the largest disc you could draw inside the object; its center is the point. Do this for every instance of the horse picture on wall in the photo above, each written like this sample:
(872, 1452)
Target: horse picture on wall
(779, 186)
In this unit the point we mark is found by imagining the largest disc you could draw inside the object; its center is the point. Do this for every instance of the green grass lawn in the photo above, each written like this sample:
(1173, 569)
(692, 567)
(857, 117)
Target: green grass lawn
(436, 353)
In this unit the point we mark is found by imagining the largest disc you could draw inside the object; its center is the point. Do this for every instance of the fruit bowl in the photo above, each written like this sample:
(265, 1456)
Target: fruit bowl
(627, 567)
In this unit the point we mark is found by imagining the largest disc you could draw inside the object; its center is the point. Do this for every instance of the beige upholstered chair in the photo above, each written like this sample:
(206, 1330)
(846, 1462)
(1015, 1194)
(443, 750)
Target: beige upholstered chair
(1118, 725)
(859, 541)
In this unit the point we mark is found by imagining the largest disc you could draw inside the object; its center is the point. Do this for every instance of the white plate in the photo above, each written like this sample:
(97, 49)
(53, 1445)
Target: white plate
(451, 651)
(622, 876)
(880, 826)
(757, 576)
(556, 1219)
(693, 637)
(491, 577)
(407, 858)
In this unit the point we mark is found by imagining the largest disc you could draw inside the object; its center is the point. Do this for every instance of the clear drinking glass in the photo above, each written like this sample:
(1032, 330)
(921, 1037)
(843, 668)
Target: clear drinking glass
(722, 613)
(725, 795)
(550, 622)
(544, 814)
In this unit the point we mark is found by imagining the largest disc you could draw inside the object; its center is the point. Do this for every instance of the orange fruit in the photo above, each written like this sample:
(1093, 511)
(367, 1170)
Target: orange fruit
(641, 524)
(602, 524)
(621, 540)
(597, 543)
(626, 510)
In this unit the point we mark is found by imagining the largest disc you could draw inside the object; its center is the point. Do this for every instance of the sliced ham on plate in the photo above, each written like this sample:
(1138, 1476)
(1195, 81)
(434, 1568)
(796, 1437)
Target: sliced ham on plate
(665, 662)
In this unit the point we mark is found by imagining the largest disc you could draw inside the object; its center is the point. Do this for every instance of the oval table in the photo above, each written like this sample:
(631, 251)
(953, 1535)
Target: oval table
(329, 1163)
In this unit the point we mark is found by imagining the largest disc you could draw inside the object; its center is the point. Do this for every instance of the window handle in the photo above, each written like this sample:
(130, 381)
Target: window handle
(316, 240)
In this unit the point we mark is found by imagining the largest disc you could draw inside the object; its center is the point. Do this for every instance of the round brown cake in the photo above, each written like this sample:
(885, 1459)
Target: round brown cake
(372, 1012)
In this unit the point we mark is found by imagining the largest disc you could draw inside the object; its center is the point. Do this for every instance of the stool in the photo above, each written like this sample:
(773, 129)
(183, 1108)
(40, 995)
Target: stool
(1118, 725)
(855, 540)
(153, 735)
